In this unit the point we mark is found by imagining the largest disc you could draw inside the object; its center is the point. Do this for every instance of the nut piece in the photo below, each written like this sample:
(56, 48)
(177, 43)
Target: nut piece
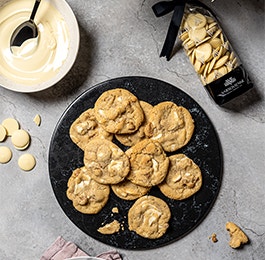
(238, 237)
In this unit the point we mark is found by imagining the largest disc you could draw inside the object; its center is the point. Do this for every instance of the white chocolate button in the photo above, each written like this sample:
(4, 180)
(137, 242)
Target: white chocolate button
(20, 139)
(2, 133)
(197, 35)
(222, 71)
(203, 52)
(26, 162)
(211, 77)
(216, 42)
(10, 125)
(5, 154)
(196, 20)
(221, 62)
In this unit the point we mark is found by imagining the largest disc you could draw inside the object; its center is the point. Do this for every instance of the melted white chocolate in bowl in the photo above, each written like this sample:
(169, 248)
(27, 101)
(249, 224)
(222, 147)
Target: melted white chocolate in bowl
(38, 60)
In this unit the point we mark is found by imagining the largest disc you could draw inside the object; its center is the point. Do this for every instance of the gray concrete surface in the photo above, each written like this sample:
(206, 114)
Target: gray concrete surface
(121, 38)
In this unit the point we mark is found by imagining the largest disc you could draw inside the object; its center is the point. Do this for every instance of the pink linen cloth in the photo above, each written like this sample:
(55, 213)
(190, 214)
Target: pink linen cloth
(61, 249)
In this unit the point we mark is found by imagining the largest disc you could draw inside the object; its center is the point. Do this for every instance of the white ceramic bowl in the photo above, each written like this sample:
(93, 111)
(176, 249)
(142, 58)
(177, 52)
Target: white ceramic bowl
(72, 25)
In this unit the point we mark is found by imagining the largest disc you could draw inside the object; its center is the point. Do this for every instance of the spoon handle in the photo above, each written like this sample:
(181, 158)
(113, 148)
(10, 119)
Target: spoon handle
(34, 11)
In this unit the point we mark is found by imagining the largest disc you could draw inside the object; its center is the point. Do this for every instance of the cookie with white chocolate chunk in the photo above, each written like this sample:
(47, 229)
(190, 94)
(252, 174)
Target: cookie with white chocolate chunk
(87, 195)
(105, 161)
(149, 163)
(118, 111)
(139, 135)
(184, 178)
(171, 125)
(85, 128)
(149, 217)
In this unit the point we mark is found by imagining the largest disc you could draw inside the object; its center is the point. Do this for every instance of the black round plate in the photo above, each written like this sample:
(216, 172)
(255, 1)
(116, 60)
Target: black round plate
(203, 148)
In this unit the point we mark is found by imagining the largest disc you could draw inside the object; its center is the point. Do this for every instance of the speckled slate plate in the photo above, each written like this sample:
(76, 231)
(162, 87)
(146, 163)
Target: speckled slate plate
(204, 149)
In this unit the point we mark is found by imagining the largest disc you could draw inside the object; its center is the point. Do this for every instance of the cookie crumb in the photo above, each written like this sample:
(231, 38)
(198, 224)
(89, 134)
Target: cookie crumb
(213, 237)
(115, 210)
(37, 120)
(237, 236)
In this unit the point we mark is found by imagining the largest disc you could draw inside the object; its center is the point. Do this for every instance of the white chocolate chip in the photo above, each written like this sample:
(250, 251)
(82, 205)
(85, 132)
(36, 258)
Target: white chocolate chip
(20, 139)
(2, 133)
(5, 154)
(26, 162)
(10, 125)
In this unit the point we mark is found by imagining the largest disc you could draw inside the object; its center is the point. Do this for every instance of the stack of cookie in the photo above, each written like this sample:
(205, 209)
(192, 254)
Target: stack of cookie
(149, 132)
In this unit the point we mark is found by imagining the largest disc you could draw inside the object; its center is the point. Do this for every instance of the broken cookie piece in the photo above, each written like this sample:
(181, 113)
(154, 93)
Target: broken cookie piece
(238, 237)
(110, 228)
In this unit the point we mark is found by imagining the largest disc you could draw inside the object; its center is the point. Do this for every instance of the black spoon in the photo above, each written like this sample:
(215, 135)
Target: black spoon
(26, 30)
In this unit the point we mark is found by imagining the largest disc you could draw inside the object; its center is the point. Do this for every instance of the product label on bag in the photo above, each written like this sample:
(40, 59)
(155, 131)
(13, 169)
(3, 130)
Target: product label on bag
(229, 86)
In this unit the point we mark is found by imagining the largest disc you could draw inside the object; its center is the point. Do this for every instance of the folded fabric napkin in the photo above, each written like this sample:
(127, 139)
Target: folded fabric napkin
(61, 249)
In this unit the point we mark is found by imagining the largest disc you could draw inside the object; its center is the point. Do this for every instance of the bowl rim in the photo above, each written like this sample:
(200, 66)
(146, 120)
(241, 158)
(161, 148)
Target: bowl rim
(66, 11)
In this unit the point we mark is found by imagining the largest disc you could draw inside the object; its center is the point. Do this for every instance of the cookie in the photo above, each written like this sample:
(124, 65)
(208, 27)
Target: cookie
(149, 217)
(87, 195)
(106, 162)
(119, 111)
(139, 135)
(149, 163)
(85, 128)
(129, 191)
(184, 178)
(171, 125)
